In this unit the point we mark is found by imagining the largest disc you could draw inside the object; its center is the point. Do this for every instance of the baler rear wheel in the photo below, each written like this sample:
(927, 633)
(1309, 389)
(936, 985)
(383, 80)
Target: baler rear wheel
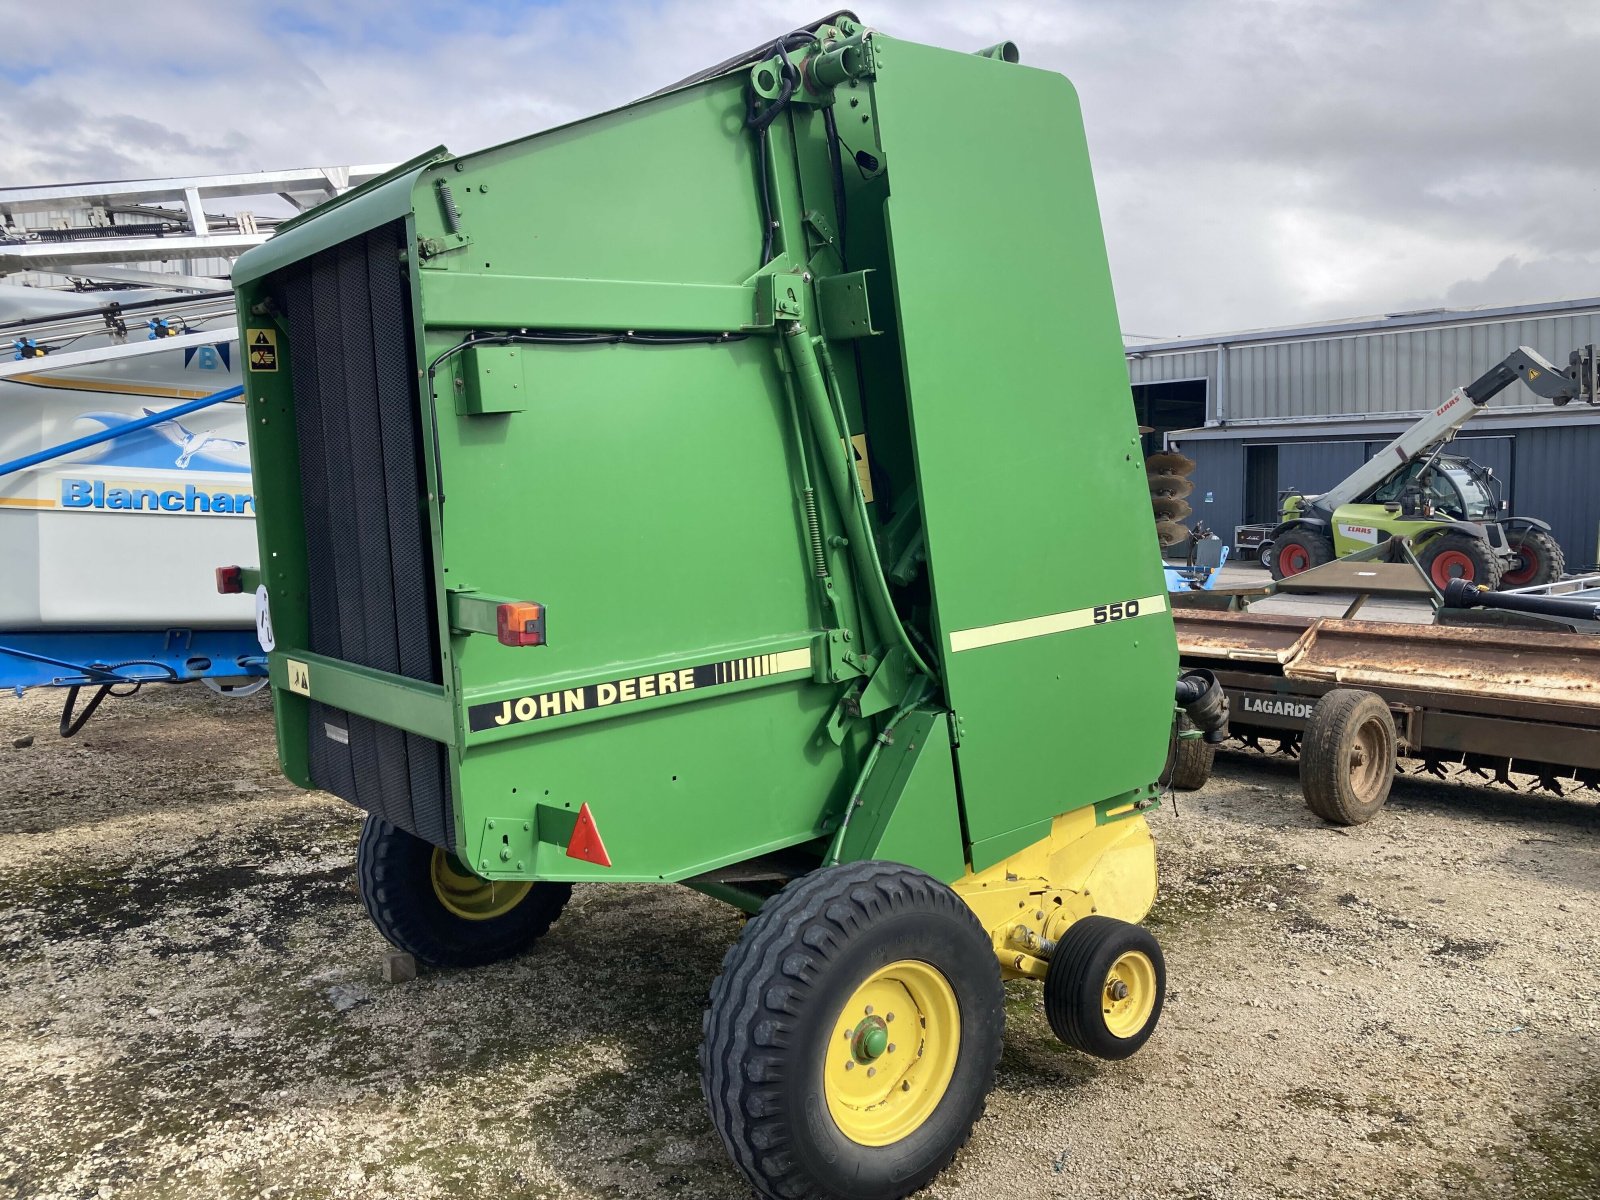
(1348, 756)
(425, 902)
(1105, 987)
(852, 1037)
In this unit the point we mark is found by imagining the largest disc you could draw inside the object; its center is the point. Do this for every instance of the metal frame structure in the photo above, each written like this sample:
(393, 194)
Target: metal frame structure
(177, 221)
(180, 201)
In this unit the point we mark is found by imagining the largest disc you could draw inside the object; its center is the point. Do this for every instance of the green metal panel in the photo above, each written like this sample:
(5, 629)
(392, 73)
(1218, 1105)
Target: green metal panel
(909, 812)
(1032, 485)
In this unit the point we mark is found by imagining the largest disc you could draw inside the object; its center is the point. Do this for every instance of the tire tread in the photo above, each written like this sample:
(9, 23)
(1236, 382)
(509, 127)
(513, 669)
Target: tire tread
(1324, 765)
(396, 900)
(743, 1032)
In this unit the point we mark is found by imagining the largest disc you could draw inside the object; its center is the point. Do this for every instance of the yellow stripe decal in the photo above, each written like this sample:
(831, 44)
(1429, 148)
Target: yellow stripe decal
(791, 660)
(1078, 618)
(25, 502)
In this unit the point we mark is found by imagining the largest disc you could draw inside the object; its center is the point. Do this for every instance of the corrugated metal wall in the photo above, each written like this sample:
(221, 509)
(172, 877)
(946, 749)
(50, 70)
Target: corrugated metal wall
(1164, 368)
(1313, 467)
(1404, 370)
(1218, 496)
(1554, 478)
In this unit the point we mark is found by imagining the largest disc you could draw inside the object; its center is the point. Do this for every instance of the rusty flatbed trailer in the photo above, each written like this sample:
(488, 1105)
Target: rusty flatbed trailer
(1355, 697)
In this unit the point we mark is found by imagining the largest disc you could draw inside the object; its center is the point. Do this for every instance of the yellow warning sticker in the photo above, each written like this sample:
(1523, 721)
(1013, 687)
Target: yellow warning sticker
(263, 347)
(863, 465)
(299, 677)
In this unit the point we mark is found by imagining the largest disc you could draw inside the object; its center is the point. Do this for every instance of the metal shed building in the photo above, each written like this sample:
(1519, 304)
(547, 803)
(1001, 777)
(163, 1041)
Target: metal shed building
(1301, 407)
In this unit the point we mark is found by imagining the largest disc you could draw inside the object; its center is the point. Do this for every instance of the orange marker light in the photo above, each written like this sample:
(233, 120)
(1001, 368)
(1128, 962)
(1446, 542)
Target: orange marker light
(520, 623)
(586, 844)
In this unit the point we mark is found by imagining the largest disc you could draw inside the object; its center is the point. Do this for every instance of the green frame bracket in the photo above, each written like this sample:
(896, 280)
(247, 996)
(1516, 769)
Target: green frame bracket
(843, 306)
(421, 708)
(779, 296)
(474, 612)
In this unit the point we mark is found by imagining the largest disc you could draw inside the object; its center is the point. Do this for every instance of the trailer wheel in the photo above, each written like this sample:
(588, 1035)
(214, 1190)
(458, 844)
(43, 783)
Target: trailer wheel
(852, 1037)
(1105, 987)
(1459, 556)
(1189, 760)
(425, 902)
(1539, 560)
(1299, 550)
(1347, 756)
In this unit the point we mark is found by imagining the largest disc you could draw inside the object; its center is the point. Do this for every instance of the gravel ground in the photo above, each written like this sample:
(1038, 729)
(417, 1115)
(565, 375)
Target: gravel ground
(191, 1003)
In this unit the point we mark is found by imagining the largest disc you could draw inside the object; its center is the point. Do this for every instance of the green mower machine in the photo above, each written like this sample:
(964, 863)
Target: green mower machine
(695, 494)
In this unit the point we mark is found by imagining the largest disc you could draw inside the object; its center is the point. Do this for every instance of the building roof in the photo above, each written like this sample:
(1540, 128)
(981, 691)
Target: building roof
(1423, 318)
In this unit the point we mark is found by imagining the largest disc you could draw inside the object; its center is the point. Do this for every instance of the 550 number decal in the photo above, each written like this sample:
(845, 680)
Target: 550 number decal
(1119, 611)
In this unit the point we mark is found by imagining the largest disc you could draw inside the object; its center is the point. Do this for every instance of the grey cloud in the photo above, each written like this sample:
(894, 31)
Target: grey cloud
(1258, 162)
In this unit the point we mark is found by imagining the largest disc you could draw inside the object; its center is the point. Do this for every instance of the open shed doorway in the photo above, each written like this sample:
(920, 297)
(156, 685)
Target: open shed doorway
(1166, 407)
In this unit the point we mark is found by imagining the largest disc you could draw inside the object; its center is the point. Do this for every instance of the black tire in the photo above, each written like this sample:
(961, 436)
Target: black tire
(1347, 756)
(396, 877)
(1540, 559)
(1317, 548)
(1461, 556)
(1189, 760)
(1077, 987)
(773, 1011)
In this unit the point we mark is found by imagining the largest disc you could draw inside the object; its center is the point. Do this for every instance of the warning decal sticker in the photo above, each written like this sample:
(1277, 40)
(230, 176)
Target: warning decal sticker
(858, 443)
(523, 709)
(262, 345)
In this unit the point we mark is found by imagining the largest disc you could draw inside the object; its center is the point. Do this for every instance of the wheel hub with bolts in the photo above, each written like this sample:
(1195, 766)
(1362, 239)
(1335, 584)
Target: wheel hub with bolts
(870, 1039)
(899, 1034)
(1130, 994)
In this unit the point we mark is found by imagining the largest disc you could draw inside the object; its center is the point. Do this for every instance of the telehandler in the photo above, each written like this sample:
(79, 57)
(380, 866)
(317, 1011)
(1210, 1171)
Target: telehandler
(1446, 506)
(690, 494)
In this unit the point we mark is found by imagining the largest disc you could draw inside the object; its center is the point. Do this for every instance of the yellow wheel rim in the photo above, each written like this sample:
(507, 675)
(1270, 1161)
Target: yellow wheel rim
(1129, 995)
(891, 1053)
(467, 896)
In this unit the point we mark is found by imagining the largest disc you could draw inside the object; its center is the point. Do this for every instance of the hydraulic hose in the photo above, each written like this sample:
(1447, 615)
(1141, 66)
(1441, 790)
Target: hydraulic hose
(1202, 699)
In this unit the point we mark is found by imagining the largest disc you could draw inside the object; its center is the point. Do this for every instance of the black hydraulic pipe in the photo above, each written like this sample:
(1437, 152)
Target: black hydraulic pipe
(1202, 699)
(104, 309)
(1461, 594)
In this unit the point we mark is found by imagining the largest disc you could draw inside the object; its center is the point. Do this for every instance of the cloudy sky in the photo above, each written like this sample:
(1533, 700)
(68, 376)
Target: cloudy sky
(1259, 163)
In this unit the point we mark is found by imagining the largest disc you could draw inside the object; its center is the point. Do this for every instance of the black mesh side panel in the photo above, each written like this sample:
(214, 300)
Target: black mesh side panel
(358, 428)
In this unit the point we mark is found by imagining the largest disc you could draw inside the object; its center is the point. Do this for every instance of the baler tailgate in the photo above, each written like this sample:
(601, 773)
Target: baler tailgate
(1038, 652)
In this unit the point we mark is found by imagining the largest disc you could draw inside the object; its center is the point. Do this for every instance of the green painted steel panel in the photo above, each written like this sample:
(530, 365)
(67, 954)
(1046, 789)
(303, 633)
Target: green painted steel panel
(910, 812)
(1032, 484)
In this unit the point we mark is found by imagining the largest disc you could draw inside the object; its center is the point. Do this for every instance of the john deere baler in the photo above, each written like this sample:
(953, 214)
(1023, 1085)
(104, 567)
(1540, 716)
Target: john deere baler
(698, 493)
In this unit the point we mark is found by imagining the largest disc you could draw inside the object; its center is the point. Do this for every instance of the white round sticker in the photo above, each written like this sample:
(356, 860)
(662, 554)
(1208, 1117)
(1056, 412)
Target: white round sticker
(264, 620)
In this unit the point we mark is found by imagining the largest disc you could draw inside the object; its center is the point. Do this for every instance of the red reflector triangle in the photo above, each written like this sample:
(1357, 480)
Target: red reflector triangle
(586, 843)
